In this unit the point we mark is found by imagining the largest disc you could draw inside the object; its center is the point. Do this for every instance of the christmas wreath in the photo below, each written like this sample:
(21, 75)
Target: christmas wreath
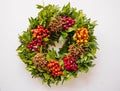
(53, 24)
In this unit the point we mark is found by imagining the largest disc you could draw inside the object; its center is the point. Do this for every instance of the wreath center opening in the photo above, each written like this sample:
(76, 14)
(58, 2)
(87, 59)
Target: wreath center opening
(57, 46)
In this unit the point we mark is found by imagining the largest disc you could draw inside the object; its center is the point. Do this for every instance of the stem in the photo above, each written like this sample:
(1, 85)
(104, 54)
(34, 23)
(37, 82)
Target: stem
(41, 49)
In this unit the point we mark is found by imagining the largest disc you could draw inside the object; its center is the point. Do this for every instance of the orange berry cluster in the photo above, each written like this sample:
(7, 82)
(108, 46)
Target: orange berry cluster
(55, 68)
(40, 32)
(81, 35)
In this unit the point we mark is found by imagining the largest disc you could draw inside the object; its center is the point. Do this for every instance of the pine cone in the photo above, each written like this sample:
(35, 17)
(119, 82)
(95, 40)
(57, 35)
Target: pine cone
(76, 51)
(39, 61)
(56, 25)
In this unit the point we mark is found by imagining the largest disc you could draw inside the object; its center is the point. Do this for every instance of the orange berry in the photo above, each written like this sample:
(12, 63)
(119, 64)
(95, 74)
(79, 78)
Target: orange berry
(32, 30)
(35, 30)
(79, 36)
(56, 70)
(85, 41)
(56, 62)
(44, 35)
(49, 65)
(78, 41)
(53, 71)
(34, 35)
(78, 29)
(38, 36)
(81, 40)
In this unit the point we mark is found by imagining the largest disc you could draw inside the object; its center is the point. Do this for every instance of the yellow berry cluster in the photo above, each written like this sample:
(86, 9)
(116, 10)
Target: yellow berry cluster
(81, 35)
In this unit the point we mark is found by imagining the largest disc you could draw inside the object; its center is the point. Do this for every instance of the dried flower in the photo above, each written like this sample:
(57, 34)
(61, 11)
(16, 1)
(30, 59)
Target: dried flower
(56, 25)
(39, 61)
(76, 50)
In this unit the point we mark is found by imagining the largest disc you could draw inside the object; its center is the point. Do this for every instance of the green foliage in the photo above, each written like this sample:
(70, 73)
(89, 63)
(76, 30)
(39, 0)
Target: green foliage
(55, 36)
(69, 41)
(45, 15)
(26, 37)
(64, 34)
(51, 55)
(39, 6)
(33, 22)
(66, 10)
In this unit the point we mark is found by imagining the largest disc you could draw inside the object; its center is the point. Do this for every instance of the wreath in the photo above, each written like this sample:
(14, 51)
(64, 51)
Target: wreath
(53, 24)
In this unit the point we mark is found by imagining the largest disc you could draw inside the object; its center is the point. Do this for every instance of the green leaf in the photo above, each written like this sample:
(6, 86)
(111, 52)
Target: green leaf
(30, 68)
(45, 39)
(71, 29)
(90, 64)
(90, 55)
(84, 69)
(74, 74)
(44, 81)
(69, 77)
(51, 54)
(33, 22)
(39, 6)
(48, 57)
(93, 45)
(26, 37)
(85, 58)
(47, 76)
(64, 34)
(19, 48)
(40, 49)
(94, 51)
(74, 13)
(61, 62)
(40, 70)
(52, 80)
(66, 10)
(93, 23)
(80, 61)
(61, 39)
(48, 83)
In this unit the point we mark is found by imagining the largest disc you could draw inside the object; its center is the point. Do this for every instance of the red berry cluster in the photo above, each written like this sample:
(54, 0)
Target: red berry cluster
(69, 63)
(35, 44)
(67, 22)
(40, 32)
(55, 68)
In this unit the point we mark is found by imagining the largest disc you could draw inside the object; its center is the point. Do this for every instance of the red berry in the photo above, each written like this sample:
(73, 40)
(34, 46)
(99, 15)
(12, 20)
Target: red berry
(67, 22)
(35, 44)
(69, 63)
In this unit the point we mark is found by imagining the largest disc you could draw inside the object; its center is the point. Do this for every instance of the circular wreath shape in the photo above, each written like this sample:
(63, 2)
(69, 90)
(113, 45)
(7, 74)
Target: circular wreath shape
(52, 24)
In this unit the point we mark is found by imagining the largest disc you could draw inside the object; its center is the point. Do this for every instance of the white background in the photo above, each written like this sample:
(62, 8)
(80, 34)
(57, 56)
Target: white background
(105, 76)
